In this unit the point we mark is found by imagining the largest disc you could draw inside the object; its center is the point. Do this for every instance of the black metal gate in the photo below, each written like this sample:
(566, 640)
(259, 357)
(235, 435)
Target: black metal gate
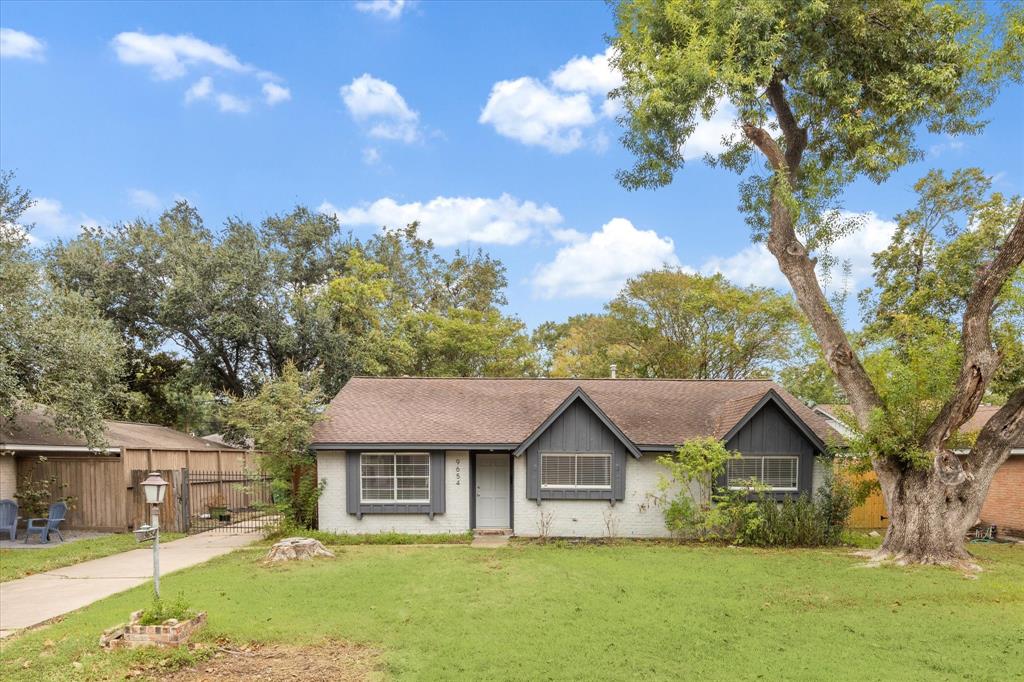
(227, 501)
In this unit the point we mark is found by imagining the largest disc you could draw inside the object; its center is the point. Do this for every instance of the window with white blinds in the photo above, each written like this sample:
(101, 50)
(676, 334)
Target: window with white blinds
(395, 477)
(575, 471)
(776, 472)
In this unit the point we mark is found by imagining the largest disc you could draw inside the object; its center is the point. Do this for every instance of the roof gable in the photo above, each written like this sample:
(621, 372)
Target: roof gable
(577, 395)
(771, 396)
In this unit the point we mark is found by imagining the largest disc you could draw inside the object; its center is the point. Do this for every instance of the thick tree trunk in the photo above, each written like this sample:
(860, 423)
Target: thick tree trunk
(926, 518)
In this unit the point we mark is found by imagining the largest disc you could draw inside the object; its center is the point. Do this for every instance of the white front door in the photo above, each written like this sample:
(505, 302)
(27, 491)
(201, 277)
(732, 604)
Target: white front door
(492, 490)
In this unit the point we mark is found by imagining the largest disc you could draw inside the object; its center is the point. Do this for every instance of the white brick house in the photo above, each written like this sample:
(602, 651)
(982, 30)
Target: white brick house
(555, 457)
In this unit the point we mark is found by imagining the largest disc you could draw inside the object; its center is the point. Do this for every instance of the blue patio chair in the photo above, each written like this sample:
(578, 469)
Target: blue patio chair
(43, 527)
(9, 518)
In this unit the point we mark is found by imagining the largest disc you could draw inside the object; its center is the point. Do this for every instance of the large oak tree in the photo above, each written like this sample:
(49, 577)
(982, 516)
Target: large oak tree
(825, 93)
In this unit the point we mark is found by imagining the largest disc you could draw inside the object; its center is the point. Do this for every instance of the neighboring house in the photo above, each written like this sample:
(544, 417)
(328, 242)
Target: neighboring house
(557, 457)
(1004, 506)
(102, 481)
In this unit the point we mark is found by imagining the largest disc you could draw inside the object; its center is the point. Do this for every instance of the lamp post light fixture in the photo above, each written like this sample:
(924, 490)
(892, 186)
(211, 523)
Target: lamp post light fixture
(155, 488)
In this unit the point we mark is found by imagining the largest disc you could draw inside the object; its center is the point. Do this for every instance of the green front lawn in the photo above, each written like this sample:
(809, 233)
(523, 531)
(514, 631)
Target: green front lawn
(18, 563)
(588, 612)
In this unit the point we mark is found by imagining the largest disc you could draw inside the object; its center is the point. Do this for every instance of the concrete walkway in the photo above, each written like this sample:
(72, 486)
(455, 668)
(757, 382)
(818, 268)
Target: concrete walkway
(38, 598)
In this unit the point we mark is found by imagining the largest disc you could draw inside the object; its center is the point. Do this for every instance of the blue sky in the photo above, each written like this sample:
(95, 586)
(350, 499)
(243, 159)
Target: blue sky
(484, 120)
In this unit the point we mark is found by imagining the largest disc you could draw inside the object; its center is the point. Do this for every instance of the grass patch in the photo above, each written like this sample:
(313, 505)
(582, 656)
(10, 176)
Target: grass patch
(588, 612)
(344, 539)
(18, 563)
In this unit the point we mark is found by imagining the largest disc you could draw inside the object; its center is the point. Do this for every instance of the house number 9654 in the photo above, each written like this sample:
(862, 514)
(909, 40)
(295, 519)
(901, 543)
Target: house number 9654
(458, 472)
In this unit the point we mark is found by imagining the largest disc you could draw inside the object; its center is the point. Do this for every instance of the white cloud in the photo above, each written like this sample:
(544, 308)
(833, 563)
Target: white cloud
(51, 220)
(378, 104)
(388, 9)
(858, 247)
(201, 89)
(145, 199)
(593, 75)
(558, 115)
(452, 220)
(706, 138)
(20, 45)
(529, 111)
(755, 265)
(231, 104)
(275, 94)
(169, 57)
(371, 156)
(599, 265)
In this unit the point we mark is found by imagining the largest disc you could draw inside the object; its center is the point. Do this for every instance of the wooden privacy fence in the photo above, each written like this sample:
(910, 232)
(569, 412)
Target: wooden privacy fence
(96, 482)
(105, 487)
(872, 512)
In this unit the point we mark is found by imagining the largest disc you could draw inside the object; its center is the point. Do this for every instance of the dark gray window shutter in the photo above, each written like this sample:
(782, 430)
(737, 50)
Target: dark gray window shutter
(352, 491)
(437, 482)
(619, 472)
(532, 456)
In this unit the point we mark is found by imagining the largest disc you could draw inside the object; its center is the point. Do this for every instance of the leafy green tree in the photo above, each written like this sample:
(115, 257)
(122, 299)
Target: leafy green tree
(468, 342)
(671, 324)
(825, 93)
(55, 348)
(279, 420)
(241, 303)
(238, 304)
(411, 311)
(926, 273)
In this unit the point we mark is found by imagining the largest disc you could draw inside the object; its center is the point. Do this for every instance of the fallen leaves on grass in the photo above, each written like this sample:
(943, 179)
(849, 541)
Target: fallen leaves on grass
(331, 660)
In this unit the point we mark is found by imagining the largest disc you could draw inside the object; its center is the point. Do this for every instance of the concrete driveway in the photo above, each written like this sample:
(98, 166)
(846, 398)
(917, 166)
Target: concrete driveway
(38, 598)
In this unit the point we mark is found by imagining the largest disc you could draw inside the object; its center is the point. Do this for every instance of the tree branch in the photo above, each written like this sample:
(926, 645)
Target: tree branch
(980, 358)
(1006, 427)
(763, 141)
(797, 265)
(796, 137)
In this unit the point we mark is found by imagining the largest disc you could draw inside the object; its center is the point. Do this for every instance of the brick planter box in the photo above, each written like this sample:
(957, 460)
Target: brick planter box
(171, 633)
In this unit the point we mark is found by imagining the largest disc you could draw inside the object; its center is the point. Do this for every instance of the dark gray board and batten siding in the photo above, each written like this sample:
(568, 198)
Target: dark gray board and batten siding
(772, 432)
(577, 430)
(354, 505)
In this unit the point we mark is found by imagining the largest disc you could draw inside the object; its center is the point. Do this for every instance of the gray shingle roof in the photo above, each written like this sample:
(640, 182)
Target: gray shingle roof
(651, 412)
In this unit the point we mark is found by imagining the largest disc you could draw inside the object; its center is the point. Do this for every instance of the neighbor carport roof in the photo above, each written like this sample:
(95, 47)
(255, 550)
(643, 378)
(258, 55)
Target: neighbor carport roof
(651, 412)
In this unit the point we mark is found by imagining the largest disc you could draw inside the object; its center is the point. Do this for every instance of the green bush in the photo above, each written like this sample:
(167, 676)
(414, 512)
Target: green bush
(696, 509)
(803, 521)
(161, 611)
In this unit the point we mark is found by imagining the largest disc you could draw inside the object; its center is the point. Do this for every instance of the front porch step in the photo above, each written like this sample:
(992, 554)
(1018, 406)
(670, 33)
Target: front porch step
(479, 532)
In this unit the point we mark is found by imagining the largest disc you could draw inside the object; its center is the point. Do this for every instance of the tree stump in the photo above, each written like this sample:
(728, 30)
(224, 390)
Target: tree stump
(302, 549)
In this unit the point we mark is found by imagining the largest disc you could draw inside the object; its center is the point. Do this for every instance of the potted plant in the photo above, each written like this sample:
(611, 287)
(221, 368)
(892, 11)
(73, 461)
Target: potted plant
(218, 508)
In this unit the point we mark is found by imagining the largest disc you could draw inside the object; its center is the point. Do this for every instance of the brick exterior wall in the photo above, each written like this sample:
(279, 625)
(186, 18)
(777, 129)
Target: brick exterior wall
(334, 518)
(8, 477)
(1004, 505)
(636, 516)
